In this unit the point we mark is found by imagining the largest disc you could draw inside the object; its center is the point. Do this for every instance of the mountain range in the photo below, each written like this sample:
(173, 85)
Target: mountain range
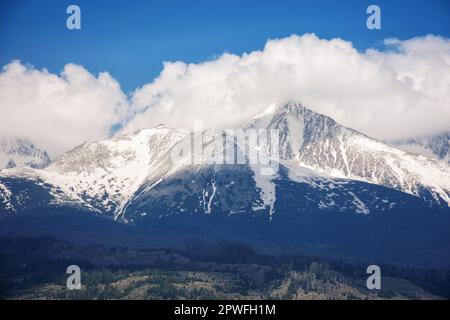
(336, 191)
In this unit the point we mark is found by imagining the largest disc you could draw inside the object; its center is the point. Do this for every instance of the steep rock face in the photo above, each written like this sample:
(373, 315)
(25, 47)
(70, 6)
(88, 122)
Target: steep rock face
(16, 152)
(318, 142)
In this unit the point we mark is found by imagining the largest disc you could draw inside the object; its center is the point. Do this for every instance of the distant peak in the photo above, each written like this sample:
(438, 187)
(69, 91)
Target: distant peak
(161, 126)
(287, 106)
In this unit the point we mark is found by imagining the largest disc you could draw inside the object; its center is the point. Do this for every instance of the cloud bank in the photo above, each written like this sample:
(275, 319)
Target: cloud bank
(59, 112)
(399, 91)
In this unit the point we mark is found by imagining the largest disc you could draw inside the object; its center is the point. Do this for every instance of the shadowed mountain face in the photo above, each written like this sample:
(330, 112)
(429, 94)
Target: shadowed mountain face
(336, 192)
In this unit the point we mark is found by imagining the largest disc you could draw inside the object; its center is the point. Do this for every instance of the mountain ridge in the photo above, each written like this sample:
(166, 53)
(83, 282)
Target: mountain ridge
(346, 153)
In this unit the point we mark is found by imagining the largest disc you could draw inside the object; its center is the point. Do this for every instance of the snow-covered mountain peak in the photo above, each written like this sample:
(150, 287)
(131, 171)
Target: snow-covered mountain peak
(297, 126)
(105, 173)
(15, 152)
(318, 142)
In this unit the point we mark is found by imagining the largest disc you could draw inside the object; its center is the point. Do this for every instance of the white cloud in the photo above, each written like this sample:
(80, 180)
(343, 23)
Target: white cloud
(58, 112)
(400, 92)
(389, 94)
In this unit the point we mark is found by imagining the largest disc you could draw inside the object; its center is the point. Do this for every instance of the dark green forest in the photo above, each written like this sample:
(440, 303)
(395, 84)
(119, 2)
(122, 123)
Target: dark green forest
(35, 268)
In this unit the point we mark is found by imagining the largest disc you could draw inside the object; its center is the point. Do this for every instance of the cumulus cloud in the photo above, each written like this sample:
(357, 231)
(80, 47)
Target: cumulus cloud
(400, 91)
(59, 112)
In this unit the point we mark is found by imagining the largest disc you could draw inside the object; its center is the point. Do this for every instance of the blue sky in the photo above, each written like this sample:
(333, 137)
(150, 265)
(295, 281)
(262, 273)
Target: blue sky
(131, 39)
